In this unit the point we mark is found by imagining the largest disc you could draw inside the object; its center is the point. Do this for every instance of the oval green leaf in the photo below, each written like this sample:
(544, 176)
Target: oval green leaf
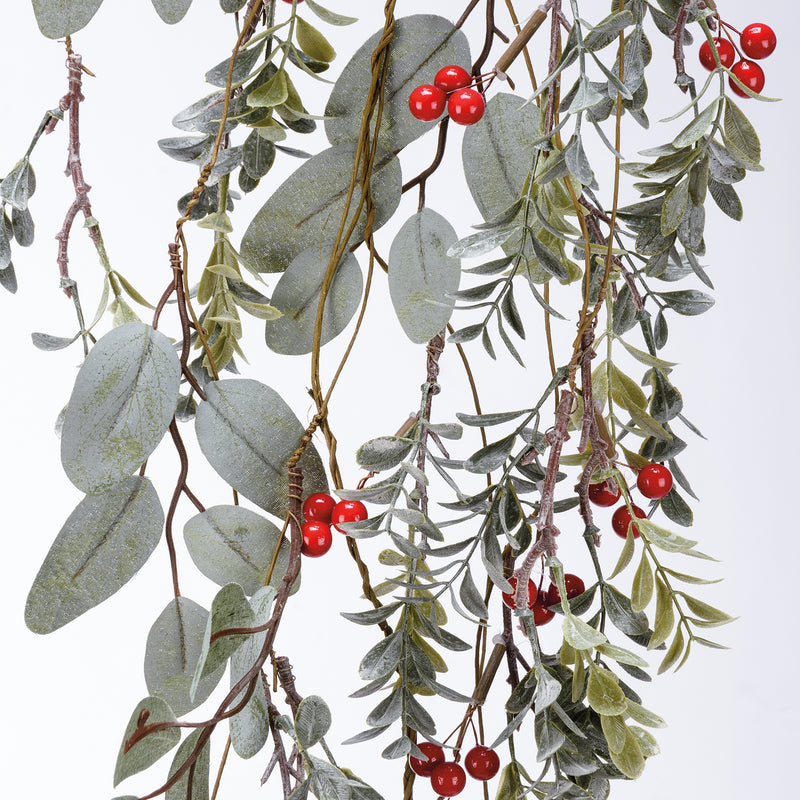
(171, 11)
(59, 18)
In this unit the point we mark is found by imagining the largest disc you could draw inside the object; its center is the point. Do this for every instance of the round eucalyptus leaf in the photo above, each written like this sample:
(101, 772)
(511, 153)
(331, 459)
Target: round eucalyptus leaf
(231, 544)
(170, 659)
(59, 19)
(422, 276)
(103, 544)
(200, 774)
(248, 433)
(297, 295)
(421, 44)
(171, 11)
(124, 398)
(307, 207)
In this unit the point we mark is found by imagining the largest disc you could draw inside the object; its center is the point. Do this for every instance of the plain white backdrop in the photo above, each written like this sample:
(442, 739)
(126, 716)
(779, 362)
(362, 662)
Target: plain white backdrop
(67, 696)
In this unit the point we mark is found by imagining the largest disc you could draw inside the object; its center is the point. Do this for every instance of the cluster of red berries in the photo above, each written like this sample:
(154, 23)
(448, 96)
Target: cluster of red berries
(654, 482)
(757, 41)
(450, 90)
(540, 601)
(448, 778)
(321, 511)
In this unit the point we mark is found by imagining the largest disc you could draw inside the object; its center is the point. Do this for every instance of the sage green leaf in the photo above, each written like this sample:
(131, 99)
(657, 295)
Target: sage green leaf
(614, 729)
(674, 208)
(170, 658)
(200, 774)
(307, 207)
(103, 544)
(647, 742)
(603, 692)
(509, 786)
(626, 391)
(248, 433)
(697, 127)
(232, 544)
(689, 578)
(249, 729)
(271, 93)
(15, 188)
(172, 11)
(124, 398)
(673, 652)
(471, 597)
(373, 615)
(297, 297)
(59, 18)
(229, 609)
(581, 635)
(480, 243)
(643, 716)
(382, 658)
(383, 453)
(645, 358)
(642, 590)
(495, 153)
(625, 556)
(630, 761)
(230, 6)
(688, 302)
(312, 721)
(622, 616)
(621, 655)
(312, 42)
(650, 241)
(258, 155)
(665, 615)
(607, 30)
(661, 537)
(705, 611)
(647, 425)
(740, 135)
(492, 456)
(726, 198)
(549, 737)
(421, 44)
(149, 749)
(422, 275)
(329, 16)
(676, 508)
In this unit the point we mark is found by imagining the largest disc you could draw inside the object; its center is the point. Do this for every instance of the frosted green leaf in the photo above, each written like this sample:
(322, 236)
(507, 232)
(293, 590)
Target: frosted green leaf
(200, 775)
(307, 207)
(383, 453)
(630, 761)
(740, 135)
(124, 398)
(329, 16)
(614, 729)
(103, 544)
(249, 728)
(171, 11)
(604, 694)
(150, 748)
(248, 433)
(666, 540)
(297, 296)
(59, 18)
(621, 655)
(581, 635)
(312, 721)
(421, 44)
(382, 658)
(644, 716)
(312, 42)
(229, 609)
(232, 544)
(170, 659)
(422, 276)
(642, 591)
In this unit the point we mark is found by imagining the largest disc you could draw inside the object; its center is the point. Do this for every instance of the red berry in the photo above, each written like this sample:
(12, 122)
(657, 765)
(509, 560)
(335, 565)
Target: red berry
(541, 613)
(427, 102)
(289, 1)
(435, 755)
(318, 506)
(574, 586)
(758, 40)
(448, 779)
(601, 494)
(622, 518)
(509, 599)
(448, 79)
(750, 74)
(482, 763)
(466, 106)
(317, 538)
(654, 481)
(348, 511)
(727, 55)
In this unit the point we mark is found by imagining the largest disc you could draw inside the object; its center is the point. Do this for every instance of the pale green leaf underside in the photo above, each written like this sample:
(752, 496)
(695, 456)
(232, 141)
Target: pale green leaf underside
(59, 18)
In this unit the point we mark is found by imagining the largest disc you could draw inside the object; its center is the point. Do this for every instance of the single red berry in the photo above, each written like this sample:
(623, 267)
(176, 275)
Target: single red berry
(621, 518)
(427, 102)
(289, 1)
(448, 779)
(602, 494)
(424, 768)
(727, 54)
(318, 506)
(574, 586)
(758, 40)
(509, 599)
(654, 481)
(482, 763)
(541, 613)
(466, 106)
(750, 74)
(348, 511)
(448, 79)
(317, 538)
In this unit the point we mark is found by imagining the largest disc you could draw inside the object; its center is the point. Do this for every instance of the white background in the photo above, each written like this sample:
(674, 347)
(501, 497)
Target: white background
(67, 696)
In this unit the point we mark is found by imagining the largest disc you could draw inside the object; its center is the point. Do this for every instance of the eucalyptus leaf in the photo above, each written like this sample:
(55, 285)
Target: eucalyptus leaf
(172, 11)
(103, 544)
(248, 433)
(312, 721)
(59, 18)
(199, 773)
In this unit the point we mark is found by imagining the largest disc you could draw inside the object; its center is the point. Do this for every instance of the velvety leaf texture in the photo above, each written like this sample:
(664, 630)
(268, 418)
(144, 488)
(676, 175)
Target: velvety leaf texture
(297, 296)
(124, 397)
(171, 11)
(422, 275)
(102, 545)
(248, 433)
(59, 18)
(200, 776)
(422, 43)
(307, 207)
